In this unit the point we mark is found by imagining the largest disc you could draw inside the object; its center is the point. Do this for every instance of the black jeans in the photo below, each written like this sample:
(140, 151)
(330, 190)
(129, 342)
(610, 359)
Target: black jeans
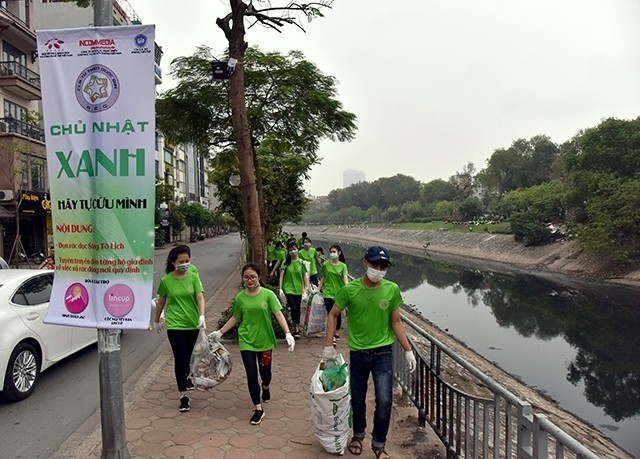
(182, 343)
(328, 303)
(255, 362)
(294, 302)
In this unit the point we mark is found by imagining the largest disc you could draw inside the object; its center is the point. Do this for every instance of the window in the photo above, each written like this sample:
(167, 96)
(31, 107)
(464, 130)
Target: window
(12, 54)
(34, 291)
(32, 174)
(15, 111)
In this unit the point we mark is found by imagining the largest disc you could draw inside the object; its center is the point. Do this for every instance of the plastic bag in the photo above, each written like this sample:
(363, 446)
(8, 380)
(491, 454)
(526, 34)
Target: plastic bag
(315, 319)
(331, 411)
(210, 362)
(334, 376)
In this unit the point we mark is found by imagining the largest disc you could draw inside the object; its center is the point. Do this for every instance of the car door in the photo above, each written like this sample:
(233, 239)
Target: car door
(30, 302)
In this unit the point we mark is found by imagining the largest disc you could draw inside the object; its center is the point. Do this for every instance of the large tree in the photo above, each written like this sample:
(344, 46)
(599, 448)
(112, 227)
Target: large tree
(291, 107)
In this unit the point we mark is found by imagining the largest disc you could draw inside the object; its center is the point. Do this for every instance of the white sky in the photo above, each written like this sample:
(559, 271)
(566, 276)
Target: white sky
(438, 84)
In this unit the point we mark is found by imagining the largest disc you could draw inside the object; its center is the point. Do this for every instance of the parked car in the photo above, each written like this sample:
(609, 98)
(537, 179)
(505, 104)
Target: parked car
(27, 345)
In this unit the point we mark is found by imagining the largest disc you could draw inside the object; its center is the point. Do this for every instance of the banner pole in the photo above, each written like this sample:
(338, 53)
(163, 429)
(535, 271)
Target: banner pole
(114, 442)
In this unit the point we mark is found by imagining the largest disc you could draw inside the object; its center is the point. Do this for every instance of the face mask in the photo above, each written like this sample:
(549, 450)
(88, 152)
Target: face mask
(333, 256)
(293, 253)
(183, 268)
(374, 275)
(306, 245)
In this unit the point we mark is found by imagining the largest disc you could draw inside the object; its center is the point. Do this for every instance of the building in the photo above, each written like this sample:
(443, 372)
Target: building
(352, 176)
(25, 215)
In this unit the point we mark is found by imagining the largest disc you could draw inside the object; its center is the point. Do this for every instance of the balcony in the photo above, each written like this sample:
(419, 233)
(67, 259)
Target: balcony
(19, 80)
(13, 126)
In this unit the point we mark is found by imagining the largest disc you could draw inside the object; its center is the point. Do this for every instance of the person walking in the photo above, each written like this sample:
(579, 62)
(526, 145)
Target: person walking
(308, 253)
(181, 297)
(252, 309)
(292, 285)
(373, 323)
(335, 275)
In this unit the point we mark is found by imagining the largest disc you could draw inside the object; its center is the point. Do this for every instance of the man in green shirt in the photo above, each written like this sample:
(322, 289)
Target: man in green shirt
(374, 323)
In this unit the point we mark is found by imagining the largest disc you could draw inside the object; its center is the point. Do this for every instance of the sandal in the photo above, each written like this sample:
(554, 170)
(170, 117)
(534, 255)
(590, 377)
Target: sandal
(355, 446)
(381, 453)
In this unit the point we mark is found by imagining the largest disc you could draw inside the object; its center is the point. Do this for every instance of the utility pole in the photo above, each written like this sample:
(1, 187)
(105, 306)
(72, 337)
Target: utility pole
(114, 442)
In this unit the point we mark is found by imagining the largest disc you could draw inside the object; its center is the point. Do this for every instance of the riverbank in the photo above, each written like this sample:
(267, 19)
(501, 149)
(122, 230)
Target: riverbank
(497, 253)
(482, 249)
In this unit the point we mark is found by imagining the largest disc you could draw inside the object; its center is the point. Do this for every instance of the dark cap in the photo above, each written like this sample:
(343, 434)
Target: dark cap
(377, 254)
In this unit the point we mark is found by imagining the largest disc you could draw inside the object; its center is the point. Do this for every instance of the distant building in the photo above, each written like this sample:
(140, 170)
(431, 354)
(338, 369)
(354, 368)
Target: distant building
(351, 176)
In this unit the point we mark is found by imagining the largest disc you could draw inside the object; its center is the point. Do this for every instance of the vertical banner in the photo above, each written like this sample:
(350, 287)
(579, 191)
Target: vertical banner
(98, 95)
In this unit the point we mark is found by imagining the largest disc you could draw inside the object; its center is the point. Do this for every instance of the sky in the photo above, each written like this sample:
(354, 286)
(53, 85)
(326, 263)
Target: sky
(438, 84)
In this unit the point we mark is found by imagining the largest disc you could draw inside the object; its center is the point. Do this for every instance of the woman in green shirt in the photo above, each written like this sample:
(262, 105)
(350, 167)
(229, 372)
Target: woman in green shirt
(308, 253)
(335, 275)
(252, 309)
(293, 283)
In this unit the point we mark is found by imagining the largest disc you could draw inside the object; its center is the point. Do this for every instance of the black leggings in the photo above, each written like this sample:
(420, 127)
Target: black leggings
(328, 303)
(182, 343)
(294, 302)
(255, 362)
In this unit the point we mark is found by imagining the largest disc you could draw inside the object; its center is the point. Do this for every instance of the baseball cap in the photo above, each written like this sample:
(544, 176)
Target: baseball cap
(376, 254)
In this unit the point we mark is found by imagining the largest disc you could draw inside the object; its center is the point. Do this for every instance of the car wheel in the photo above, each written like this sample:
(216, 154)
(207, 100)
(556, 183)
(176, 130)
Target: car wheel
(22, 374)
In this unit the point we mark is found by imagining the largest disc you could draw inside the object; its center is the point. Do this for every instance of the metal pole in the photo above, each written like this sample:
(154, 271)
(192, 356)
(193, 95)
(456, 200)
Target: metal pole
(114, 443)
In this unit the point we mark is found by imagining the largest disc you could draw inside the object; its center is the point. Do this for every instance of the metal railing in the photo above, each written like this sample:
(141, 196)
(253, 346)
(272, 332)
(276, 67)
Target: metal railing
(14, 68)
(496, 424)
(14, 126)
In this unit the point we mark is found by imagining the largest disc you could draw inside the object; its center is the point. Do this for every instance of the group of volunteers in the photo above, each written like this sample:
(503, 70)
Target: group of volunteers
(371, 302)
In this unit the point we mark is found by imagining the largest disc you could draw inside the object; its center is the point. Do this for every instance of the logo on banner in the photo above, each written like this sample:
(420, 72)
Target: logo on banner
(76, 298)
(97, 88)
(54, 48)
(140, 41)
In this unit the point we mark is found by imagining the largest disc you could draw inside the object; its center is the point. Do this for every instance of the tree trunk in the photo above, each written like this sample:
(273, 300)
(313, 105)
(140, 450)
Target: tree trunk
(240, 122)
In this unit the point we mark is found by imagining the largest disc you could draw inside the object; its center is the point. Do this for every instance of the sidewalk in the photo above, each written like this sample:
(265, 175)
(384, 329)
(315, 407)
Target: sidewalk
(217, 426)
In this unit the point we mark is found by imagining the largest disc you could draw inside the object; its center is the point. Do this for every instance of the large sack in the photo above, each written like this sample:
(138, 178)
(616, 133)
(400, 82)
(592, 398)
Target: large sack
(316, 318)
(330, 412)
(210, 362)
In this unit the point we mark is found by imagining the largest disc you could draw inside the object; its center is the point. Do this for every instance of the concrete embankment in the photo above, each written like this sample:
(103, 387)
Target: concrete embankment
(495, 252)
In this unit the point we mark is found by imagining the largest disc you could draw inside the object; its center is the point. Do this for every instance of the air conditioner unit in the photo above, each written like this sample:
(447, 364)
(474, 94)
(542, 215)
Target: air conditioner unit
(6, 195)
(4, 127)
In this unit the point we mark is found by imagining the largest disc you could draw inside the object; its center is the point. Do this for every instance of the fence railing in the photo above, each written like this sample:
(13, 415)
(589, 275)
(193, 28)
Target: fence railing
(496, 424)
(15, 126)
(14, 68)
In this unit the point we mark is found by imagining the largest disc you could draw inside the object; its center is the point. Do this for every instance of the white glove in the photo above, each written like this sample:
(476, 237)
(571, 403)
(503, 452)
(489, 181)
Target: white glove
(201, 322)
(216, 335)
(290, 341)
(314, 289)
(329, 353)
(411, 360)
(282, 295)
(158, 326)
(304, 296)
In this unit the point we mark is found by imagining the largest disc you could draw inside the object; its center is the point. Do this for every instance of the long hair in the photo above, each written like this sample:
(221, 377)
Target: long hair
(290, 246)
(253, 267)
(340, 254)
(173, 256)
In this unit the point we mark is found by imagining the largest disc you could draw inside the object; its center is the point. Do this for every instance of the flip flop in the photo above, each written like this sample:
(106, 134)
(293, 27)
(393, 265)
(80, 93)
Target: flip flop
(355, 446)
(381, 453)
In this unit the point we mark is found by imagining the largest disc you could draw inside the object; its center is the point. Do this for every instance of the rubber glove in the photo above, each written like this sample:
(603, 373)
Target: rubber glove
(329, 353)
(201, 322)
(282, 295)
(411, 361)
(290, 341)
(216, 335)
(158, 326)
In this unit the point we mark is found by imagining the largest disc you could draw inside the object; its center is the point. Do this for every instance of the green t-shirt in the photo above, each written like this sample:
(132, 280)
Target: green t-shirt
(369, 312)
(293, 277)
(333, 278)
(255, 331)
(281, 255)
(309, 255)
(271, 252)
(181, 307)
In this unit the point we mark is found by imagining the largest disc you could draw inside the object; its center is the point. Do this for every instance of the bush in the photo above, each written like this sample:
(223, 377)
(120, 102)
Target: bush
(528, 227)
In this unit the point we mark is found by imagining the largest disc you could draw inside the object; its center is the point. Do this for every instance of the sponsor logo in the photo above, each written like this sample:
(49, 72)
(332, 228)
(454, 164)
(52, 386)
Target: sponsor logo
(97, 88)
(54, 43)
(97, 42)
(140, 40)
(54, 47)
(384, 304)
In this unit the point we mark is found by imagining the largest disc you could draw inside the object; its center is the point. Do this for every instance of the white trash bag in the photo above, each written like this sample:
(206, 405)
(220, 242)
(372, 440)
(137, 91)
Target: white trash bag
(315, 319)
(330, 412)
(210, 362)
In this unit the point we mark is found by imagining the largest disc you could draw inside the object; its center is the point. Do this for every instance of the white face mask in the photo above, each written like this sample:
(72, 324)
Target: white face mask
(307, 245)
(183, 268)
(333, 256)
(293, 253)
(374, 275)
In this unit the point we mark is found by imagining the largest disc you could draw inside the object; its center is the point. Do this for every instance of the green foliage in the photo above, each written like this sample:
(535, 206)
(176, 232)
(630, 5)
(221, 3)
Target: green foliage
(159, 237)
(530, 228)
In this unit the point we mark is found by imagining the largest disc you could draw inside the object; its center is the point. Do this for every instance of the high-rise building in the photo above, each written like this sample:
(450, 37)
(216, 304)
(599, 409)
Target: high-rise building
(351, 176)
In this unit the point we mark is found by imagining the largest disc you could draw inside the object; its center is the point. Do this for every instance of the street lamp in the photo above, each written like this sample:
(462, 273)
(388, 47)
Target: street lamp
(234, 180)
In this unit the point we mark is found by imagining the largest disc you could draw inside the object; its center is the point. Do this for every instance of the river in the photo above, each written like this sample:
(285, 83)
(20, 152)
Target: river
(578, 342)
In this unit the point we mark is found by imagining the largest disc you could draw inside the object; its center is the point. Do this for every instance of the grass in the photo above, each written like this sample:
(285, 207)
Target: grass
(501, 227)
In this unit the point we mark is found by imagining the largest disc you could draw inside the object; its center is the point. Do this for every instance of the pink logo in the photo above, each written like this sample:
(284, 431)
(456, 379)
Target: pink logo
(76, 298)
(118, 300)
(54, 43)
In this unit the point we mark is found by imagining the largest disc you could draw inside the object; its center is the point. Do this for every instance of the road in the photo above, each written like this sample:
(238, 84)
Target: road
(68, 394)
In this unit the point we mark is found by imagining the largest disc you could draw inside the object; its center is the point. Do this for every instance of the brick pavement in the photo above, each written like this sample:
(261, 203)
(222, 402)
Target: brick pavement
(217, 426)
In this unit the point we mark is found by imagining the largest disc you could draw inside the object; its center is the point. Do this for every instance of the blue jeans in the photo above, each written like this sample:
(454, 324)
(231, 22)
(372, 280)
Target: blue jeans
(379, 363)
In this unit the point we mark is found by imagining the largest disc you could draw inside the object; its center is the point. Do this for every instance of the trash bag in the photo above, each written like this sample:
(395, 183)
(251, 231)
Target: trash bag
(331, 418)
(315, 319)
(210, 362)
(334, 377)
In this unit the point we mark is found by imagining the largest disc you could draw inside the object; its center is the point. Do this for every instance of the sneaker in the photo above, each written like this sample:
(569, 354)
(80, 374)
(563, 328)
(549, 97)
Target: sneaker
(296, 334)
(257, 417)
(189, 384)
(266, 395)
(184, 403)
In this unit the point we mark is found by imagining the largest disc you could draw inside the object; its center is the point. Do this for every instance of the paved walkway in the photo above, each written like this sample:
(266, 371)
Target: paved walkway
(217, 426)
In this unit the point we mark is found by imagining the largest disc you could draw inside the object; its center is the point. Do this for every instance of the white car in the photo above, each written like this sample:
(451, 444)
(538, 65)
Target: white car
(27, 345)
